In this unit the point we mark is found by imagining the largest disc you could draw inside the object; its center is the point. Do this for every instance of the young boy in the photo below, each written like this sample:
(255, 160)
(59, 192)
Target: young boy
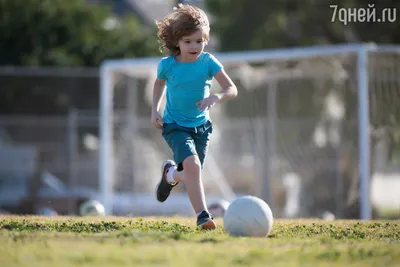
(186, 126)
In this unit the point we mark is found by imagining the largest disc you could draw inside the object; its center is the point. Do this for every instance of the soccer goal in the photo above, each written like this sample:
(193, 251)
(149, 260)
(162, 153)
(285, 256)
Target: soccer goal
(301, 134)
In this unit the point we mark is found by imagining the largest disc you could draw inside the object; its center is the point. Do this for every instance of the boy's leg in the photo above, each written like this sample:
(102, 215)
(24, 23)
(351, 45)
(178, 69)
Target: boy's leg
(185, 153)
(194, 185)
(183, 145)
(191, 176)
(195, 190)
(192, 166)
(163, 188)
(202, 141)
(201, 144)
(179, 176)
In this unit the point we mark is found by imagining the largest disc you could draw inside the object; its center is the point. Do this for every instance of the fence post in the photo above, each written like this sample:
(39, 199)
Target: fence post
(363, 131)
(271, 141)
(72, 144)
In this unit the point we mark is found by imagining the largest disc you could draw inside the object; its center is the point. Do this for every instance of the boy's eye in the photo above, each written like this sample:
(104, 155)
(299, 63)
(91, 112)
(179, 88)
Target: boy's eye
(187, 42)
(199, 41)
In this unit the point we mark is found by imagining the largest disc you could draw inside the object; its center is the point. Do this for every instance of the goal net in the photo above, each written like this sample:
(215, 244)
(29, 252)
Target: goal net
(304, 133)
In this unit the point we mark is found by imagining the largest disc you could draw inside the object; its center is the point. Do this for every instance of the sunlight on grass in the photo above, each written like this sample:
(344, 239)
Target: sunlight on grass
(68, 241)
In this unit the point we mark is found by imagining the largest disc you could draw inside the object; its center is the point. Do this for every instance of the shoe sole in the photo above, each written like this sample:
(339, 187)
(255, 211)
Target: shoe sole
(210, 225)
(162, 177)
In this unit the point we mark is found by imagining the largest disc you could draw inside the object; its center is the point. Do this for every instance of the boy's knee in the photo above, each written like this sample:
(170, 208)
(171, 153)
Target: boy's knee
(192, 163)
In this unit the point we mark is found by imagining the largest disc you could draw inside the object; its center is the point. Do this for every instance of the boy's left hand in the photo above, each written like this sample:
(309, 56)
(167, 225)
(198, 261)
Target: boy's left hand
(208, 102)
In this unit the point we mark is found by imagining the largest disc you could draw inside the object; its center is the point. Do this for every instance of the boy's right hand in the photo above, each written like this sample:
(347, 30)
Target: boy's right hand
(157, 120)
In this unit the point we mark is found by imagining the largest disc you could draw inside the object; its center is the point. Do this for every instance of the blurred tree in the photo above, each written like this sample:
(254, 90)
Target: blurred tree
(63, 33)
(68, 33)
(262, 24)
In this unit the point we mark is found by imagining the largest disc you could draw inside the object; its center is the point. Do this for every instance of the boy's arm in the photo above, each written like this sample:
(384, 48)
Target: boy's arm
(158, 93)
(229, 89)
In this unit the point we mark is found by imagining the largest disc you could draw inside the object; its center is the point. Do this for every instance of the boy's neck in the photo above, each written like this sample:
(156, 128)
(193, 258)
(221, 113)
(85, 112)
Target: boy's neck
(179, 58)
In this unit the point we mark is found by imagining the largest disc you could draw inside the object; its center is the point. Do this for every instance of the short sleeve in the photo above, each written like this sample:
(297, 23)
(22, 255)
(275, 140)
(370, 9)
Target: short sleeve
(214, 65)
(161, 70)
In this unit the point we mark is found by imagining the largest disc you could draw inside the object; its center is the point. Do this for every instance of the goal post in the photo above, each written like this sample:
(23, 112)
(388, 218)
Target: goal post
(275, 140)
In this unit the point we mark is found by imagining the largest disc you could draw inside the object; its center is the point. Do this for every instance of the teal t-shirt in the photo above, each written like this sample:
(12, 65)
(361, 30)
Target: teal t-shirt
(187, 83)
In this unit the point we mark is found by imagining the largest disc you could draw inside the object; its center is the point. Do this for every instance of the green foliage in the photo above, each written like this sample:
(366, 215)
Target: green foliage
(67, 33)
(248, 25)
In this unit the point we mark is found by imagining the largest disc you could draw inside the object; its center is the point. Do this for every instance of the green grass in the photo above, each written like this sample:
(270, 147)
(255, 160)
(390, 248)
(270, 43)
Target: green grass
(389, 214)
(65, 241)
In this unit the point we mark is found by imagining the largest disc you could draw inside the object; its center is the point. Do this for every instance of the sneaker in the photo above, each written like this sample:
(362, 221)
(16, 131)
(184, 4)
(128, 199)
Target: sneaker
(163, 187)
(206, 221)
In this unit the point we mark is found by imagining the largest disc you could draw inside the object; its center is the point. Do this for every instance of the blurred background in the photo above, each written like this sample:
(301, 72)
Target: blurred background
(293, 127)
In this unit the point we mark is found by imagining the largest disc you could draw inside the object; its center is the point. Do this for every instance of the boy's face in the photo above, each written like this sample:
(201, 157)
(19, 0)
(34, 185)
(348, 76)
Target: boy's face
(192, 46)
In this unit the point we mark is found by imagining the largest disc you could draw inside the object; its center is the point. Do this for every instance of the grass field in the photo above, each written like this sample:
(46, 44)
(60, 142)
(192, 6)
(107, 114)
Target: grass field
(65, 241)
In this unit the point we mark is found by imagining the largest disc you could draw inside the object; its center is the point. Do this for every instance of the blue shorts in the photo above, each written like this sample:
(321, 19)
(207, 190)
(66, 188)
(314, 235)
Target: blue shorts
(187, 141)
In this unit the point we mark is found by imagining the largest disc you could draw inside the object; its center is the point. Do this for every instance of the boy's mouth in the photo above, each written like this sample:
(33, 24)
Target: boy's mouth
(193, 53)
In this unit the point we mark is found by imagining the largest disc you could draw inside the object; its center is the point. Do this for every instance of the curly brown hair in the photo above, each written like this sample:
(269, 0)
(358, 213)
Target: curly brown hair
(183, 21)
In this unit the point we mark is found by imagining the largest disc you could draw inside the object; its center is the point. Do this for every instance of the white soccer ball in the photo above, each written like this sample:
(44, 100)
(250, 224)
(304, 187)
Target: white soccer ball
(248, 216)
(328, 216)
(218, 208)
(91, 208)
